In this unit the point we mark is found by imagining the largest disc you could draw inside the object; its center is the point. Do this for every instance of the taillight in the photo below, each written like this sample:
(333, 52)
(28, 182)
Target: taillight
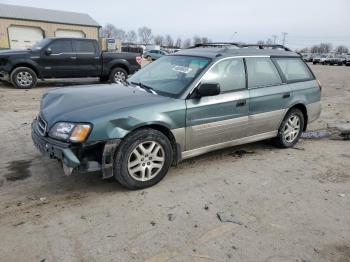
(319, 84)
(139, 60)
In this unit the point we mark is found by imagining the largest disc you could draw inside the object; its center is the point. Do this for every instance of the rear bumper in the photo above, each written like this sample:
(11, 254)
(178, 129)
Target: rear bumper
(313, 111)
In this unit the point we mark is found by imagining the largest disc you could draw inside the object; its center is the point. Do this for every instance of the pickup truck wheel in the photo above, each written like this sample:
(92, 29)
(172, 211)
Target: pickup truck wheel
(291, 129)
(23, 77)
(118, 74)
(143, 159)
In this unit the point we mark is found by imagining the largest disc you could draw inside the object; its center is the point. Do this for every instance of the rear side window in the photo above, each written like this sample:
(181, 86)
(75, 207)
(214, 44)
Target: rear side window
(294, 69)
(262, 72)
(84, 46)
(229, 73)
(61, 46)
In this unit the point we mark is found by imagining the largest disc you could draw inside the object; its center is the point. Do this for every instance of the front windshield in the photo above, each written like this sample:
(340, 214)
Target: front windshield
(170, 75)
(40, 44)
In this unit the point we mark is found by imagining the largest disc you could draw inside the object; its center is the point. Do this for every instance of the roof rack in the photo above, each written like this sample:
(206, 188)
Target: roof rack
(215, 44)
(239, 45)
(266, 45)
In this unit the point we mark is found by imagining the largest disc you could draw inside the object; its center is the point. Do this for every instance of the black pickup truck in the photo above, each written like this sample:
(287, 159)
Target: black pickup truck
(65, 58)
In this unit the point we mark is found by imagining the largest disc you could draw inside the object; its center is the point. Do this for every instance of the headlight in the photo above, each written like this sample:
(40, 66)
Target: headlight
(70, 131)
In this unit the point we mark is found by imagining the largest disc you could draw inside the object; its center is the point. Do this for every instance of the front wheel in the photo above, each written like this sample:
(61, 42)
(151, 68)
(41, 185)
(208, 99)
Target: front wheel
(118, 74)
(291, 128)
(143, 159)
(23, 77)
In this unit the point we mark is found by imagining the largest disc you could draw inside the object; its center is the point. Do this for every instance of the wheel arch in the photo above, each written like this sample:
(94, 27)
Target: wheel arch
(29, 65)
(303, 109)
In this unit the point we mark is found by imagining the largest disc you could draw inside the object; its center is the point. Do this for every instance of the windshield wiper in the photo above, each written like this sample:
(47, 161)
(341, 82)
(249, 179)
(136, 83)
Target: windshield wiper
(145, 87)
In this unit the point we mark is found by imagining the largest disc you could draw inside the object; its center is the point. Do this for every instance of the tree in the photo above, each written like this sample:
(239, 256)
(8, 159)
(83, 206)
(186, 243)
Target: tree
(145, 34)
(186, 43)
(315, 49)
(197, 40)
(178, 42)
(269, 41)
(304, 50)
(131, 36)
(169, 40)
(120, 34)
(205, 40)
(108, 31)
(325, 47)
(342, 49)
(158, 40)
(261, 42)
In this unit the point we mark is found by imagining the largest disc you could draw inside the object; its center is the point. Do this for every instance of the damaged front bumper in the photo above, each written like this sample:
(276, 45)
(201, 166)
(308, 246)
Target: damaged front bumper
(4, 76)
(86, 157)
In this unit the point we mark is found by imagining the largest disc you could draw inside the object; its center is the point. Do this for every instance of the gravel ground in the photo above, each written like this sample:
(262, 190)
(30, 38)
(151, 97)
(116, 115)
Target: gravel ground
(247, 203)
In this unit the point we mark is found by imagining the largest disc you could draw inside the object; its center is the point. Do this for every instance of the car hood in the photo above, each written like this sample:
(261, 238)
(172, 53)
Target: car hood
(88, 103)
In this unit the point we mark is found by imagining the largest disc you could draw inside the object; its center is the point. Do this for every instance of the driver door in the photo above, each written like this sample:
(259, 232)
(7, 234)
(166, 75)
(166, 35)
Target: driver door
(222, 118)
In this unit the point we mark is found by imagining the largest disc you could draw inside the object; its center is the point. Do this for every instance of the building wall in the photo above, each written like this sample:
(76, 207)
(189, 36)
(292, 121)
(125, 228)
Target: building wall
(48, 29)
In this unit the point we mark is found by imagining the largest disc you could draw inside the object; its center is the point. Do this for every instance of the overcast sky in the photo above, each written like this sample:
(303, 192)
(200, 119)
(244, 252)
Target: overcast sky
(307, 22)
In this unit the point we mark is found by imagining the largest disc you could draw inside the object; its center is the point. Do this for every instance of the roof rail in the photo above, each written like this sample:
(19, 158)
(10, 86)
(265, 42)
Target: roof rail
(215, 44)
(224, 44)
(267, 45)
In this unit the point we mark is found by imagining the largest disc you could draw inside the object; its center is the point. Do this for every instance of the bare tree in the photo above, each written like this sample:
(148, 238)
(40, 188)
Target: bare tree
(178, 42)
(131, 36)
(205, 40)
(145, 34)
(315, 49)
(342, 49)
(269, 41)
(169, 40)
(304, 50)
(197, 40)
(325, 47)
(108, 31)
(120, 34)
(260, 42)
(158, 40)
(186, 43)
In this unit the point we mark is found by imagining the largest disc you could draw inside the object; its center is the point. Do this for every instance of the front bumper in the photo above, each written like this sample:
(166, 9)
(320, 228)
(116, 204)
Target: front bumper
(54, 149)
(4, 76)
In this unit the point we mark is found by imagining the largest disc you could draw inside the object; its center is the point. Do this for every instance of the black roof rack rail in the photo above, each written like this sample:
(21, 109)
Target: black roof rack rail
(240, 45)
(215, 44)
(266, 45)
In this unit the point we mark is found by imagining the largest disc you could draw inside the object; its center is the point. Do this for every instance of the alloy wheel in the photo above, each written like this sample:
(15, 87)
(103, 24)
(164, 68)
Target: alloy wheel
(24, 79)
(291, 128)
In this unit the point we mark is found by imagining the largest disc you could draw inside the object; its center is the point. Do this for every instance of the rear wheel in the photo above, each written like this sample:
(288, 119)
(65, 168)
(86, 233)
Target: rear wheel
(23, 77)
(291, 129)
(143, 159)
(118, 74)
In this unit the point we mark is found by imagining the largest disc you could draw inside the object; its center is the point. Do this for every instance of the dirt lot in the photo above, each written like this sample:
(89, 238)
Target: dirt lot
(248, 203)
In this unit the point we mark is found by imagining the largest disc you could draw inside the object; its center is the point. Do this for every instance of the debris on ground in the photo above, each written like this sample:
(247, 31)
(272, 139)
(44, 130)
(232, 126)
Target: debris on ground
(206, 207)
(42, 199)
(316, 134)
(153, 223)
(341, 195)
(227, 218)
(240, 152)
(18, 224)
(171, 217)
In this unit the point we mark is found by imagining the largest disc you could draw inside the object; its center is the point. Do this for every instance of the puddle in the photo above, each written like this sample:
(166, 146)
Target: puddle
(18, 170)
(316, 134)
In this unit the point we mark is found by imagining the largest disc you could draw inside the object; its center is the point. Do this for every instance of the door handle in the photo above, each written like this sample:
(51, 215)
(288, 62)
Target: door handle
(286, 95)
(242, 102)
(73, 57)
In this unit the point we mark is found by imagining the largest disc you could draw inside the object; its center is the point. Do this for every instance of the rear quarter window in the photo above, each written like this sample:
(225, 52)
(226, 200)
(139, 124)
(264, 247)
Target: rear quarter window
(294, 69)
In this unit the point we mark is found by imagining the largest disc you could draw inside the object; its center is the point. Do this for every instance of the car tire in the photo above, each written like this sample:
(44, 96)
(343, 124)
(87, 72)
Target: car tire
(314, 63)
(290, 129)
(143, 158)
(118, 74)
(23, 78)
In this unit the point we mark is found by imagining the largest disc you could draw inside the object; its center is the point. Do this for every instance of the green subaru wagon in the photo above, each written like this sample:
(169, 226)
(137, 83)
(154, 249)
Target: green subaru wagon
(197, 100)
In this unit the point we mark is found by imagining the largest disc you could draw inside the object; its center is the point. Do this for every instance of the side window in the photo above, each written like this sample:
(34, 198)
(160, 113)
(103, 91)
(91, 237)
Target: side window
(262, 72)
(61, 46)
(229, 73)
(294, 69)
(84, 46)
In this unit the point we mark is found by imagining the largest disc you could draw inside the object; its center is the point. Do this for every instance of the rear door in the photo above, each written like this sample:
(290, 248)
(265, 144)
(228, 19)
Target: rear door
(88, 58)
(222, 118)
(269, 96)
(62, 60)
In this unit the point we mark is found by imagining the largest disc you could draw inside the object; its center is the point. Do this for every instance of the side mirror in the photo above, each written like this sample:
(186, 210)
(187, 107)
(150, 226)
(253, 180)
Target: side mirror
(208, 89)
(48, 51)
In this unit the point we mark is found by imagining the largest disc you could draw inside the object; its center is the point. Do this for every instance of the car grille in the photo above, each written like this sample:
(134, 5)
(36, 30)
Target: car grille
(41, 125)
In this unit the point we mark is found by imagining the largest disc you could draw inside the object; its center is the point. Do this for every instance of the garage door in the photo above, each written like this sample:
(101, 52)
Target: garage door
(23, 37)
(69, 33)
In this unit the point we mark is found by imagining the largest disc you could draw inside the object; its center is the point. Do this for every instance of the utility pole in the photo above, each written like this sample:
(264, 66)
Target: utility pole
(284, 34)
(274, 39)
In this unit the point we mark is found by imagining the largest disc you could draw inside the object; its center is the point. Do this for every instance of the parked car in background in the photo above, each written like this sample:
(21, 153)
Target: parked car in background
(335, 59)
(189, 103)
(307, 57)
(321, 58)
(154, 54)
(347, 60)
(65, 58)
